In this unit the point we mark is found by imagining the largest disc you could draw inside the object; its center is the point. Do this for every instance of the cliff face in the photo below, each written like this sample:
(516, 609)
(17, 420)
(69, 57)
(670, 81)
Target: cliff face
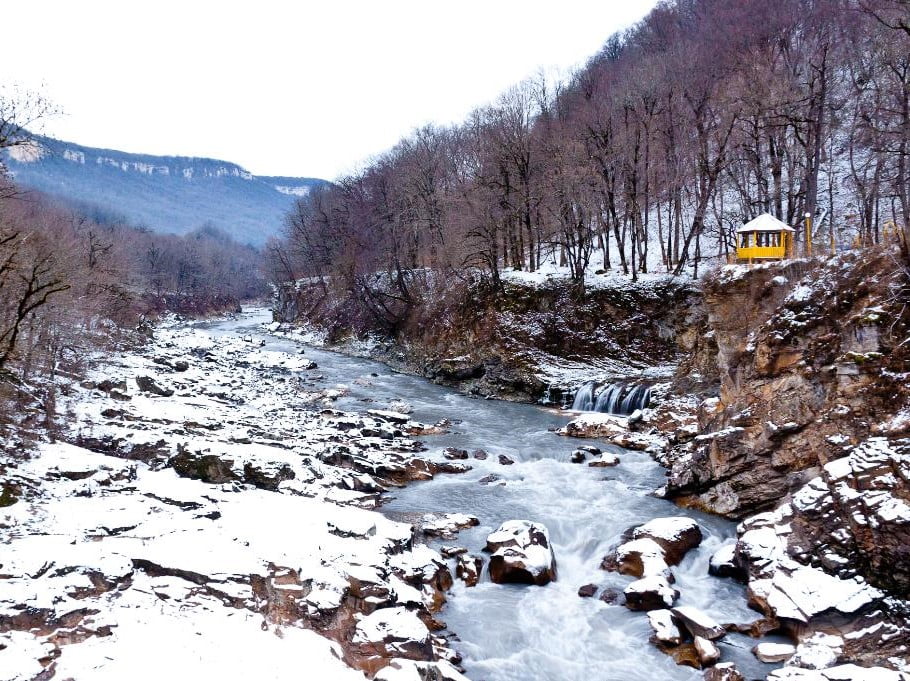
(814, 367)
(811, 359)
(171, 194)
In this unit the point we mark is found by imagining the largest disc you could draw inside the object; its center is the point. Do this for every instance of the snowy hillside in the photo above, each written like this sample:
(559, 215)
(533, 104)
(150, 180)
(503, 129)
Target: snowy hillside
(165, 193)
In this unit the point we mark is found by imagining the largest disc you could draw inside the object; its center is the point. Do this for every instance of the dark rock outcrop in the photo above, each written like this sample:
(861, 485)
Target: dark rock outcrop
(147, 384)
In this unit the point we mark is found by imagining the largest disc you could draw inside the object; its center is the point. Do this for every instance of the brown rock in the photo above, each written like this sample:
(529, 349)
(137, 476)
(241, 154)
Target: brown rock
(452, 453)
(676, 536)
(707, 652)
(587, 591)
(698, 623)
(685, 655)
(612, 596)
(521, 554)
(468, 568)
(725, 671)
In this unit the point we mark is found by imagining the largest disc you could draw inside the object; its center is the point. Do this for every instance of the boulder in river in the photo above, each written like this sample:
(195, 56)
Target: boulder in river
(446, 525)
(587, 590)
(521, 554)
(606, 460)
(665, 627)
(698, 623)
(723, 563)
(467, 569)
(650, 593)
(707, 652)
(770, 652)
(639, 558)
(676, 535)
(505, 460)
(454, 453)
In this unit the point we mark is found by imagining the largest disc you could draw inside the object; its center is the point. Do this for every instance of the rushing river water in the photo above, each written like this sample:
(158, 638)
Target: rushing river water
(527, 633)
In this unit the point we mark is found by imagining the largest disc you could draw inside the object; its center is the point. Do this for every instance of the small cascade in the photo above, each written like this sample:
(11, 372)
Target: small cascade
(616, 398)
(556, 395)
(608, 402)
(584, 398)
(637, 398)
(547, 398)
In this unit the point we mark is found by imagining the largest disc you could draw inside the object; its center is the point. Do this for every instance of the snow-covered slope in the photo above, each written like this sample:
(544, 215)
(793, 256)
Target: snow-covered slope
(174, 536)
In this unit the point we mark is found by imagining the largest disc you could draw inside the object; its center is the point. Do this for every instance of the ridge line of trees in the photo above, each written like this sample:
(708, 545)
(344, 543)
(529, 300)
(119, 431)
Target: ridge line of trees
(704, 115)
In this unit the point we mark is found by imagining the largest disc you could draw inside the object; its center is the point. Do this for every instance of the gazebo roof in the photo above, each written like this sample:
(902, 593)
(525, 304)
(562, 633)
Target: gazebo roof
(765, 223)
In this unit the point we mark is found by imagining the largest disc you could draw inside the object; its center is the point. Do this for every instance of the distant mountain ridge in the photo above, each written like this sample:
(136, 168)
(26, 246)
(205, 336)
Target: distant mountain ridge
(164, 193)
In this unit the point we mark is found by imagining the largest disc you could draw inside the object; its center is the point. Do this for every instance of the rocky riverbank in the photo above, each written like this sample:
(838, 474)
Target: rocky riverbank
(202, 503)
(531, 339)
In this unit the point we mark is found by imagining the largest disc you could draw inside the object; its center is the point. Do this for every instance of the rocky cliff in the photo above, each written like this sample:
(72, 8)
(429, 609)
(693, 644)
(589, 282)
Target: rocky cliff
(813, 361)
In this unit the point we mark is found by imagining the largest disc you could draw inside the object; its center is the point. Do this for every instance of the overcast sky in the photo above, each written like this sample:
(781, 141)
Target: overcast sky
(287, 88)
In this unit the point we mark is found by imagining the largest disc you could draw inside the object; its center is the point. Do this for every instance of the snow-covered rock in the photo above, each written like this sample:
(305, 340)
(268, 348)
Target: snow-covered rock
(393, 632)
(724, 671)
(676, 536)
(844, 672)
(698, 623)
(650, 593)
(225, 523)
(665, 627)
(768, 651)
(446, 525)
(707, 652)
(723, 563)
(605, 460)
(642, 557)
(521, 553)
(653, 546)
(409, 670)
(468, 568)
(819, 651)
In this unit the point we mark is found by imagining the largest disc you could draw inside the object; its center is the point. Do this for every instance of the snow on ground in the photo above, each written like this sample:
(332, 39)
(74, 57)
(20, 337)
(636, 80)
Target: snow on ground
(595, 277)
(196, 534)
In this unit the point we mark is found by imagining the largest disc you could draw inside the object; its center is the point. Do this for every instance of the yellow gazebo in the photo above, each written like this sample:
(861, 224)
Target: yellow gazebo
(764, 238)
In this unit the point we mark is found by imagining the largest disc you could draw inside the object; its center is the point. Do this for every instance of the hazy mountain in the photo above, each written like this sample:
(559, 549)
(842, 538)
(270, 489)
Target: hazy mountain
(164, 193)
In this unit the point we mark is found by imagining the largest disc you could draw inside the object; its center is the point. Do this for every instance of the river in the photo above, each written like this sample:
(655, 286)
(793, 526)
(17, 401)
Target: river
(527, 633)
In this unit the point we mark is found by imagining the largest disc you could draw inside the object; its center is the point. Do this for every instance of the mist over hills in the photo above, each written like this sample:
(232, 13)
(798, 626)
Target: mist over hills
(175, 194)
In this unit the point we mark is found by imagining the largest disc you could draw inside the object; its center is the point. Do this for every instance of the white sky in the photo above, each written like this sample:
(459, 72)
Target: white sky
(287, 88)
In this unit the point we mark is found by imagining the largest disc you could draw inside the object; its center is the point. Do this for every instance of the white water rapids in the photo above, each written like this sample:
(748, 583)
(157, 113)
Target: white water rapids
(527, 633)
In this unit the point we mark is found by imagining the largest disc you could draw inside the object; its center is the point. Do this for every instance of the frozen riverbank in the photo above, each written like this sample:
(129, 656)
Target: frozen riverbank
(193, 527)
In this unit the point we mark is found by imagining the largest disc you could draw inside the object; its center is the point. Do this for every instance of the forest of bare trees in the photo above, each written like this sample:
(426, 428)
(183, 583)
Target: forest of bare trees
(704, 115)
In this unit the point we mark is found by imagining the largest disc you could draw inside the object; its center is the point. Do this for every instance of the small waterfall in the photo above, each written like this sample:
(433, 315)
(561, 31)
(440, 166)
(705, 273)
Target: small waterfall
(547, 398)
(637, 398)
(556, 395)
(616, 398)
(608, 402)
(584, 398)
